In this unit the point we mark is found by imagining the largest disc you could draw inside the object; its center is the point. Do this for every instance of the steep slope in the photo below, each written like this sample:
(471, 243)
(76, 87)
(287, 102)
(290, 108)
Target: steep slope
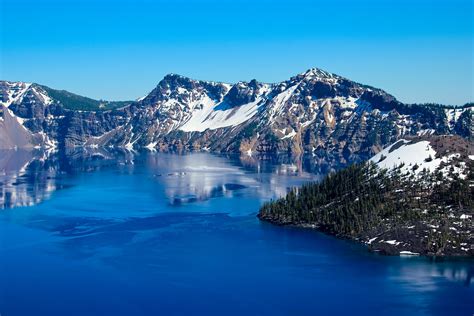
(415, 197)
(33, 115)
(315, 111)
(448, 155)
(13, 132)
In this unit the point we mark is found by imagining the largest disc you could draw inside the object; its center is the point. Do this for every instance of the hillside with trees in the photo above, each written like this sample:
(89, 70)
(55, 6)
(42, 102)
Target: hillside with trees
(407, 209)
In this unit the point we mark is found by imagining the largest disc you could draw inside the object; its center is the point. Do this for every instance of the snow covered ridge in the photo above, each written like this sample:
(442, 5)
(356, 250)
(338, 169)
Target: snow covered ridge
(302, 114)
(450, 155)
(313, 112)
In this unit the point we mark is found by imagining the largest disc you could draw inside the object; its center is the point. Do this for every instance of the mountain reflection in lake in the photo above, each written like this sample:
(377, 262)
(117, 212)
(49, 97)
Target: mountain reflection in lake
(29, 177)
(25, 178)
(101, 232)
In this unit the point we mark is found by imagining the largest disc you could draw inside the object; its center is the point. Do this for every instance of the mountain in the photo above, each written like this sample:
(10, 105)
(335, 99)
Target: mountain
(414, 197)
(315, 111)
(33, 115)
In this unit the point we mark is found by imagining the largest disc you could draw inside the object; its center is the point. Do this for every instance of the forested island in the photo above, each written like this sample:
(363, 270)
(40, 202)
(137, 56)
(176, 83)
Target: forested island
(407, 209)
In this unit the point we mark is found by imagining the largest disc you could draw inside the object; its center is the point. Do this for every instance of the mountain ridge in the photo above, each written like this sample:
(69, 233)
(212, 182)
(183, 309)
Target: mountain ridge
(314, 111)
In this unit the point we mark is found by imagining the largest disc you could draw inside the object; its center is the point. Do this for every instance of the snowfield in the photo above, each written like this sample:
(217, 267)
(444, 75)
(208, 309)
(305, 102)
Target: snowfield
(211, 117)
(408, 153)
(419, 153)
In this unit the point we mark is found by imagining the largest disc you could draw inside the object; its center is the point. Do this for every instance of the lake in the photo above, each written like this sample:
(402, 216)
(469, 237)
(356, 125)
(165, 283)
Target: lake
(120, 233)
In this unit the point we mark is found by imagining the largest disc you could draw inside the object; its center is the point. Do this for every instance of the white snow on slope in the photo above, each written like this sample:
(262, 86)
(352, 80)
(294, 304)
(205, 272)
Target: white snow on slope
(280, 100)
(289, 135)
(453, 115)
(210, 117)
(410, 154)
(43, 96)
(15, 92)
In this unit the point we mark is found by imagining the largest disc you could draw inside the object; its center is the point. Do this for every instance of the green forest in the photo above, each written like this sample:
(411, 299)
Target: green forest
(363, 198)
(73, 101)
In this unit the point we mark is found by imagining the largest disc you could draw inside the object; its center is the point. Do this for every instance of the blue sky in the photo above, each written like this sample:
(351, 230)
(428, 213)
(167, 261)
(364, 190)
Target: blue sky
(418, 50)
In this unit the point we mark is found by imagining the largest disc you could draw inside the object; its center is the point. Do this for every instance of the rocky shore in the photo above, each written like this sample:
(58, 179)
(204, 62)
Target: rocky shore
(409, 240)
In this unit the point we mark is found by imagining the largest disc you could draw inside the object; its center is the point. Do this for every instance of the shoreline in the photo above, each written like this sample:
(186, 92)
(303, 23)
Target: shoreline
(386, 248)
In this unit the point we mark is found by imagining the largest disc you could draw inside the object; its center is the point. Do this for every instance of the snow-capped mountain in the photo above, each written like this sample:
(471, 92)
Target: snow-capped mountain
(315, 111)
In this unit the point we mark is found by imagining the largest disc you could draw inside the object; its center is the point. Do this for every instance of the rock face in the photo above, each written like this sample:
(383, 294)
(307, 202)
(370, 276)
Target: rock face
(315, 111)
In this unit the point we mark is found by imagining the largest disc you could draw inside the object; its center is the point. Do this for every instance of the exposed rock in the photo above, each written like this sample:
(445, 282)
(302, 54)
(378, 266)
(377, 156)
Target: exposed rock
(315, 111)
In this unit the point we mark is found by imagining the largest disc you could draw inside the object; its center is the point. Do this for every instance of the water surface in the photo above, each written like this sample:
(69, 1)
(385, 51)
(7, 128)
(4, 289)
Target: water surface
(165, 234)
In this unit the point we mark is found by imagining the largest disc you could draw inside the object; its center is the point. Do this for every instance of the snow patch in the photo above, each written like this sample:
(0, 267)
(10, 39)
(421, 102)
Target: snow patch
(289, 135)
(209, 116)
(151, 146)
(408, 253)
(410, 154)
(392, 242)
(15, 92)
(371, 240)
(279, 101)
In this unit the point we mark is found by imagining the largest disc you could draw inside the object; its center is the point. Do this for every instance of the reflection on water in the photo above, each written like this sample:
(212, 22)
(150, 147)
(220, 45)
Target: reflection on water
(226, 189)
(178, 234)
(29, 177)
(26, 178)
(462, 274)
(424, 277)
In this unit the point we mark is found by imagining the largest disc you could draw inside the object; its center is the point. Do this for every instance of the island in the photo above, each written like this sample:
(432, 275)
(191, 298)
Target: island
(415, 197)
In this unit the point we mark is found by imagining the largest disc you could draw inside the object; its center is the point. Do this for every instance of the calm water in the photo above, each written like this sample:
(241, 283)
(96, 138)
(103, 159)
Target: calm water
(167, 234)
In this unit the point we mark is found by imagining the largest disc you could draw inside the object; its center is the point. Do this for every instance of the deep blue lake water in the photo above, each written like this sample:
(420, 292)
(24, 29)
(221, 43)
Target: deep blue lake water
(168, 234)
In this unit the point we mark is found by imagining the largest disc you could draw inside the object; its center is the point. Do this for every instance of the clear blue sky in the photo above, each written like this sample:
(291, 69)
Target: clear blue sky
(417, 50)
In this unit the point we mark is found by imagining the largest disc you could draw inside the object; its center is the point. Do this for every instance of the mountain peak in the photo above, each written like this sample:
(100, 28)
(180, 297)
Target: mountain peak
(174, 81)
(317, 72)
(174, 76)
(180, 79)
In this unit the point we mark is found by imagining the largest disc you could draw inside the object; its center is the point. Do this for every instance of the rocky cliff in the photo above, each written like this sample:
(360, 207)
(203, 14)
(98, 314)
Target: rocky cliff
(315, 112)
